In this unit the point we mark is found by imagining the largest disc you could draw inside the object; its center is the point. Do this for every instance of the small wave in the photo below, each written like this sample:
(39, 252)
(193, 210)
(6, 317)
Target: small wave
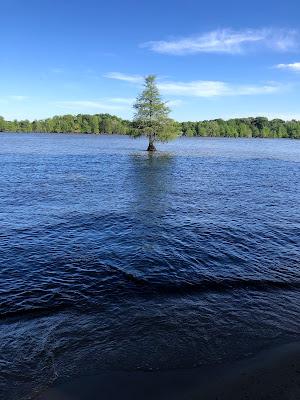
(127, 284)
(207, 285)
(34, 312)
(227, 285)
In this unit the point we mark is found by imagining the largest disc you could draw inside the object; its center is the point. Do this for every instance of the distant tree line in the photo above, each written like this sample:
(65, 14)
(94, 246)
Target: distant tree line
(259, 127)
(82, 123)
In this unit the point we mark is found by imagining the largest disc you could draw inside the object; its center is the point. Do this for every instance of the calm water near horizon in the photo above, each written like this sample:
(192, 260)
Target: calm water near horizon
(115, 259)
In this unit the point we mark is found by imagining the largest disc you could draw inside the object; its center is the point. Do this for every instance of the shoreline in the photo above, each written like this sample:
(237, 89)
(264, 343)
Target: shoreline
(272, 374)
(145, 137)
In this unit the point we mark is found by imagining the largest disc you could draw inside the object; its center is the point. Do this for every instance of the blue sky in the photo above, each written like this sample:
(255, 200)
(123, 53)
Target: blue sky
(213, 59)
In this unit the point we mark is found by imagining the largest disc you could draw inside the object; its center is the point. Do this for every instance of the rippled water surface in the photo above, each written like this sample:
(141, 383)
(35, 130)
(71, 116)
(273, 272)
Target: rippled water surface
(112, 258)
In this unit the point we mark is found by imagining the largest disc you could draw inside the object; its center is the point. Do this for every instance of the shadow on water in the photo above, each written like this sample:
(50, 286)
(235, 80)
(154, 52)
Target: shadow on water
(151, 182)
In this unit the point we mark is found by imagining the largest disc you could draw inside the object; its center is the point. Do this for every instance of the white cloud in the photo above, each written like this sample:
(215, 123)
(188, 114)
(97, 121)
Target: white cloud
(284, 116)
(18, 98)
(121, 100)
(175, 103)
(215, 88)
(87, 104)
(201, 88)
(227, 41)
(292, 67)
(125, 77)
(57, 70)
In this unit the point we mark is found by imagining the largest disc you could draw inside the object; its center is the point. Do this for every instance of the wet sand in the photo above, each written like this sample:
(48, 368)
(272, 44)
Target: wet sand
(270, 375)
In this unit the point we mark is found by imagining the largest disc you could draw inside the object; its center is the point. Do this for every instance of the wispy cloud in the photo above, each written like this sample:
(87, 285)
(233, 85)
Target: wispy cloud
(88, 104)
(215, 88)
(17, 98)
(125, 77)
(201, 88)
(292, 67)
(227, 41)
(57, 70)
(282, 115)
(121, 100)
(175, 103)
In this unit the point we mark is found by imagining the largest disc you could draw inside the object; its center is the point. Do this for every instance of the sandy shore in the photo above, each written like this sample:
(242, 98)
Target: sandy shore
(272, 374)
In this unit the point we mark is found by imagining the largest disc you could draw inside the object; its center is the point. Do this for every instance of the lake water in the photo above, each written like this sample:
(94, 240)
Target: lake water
(115, 259)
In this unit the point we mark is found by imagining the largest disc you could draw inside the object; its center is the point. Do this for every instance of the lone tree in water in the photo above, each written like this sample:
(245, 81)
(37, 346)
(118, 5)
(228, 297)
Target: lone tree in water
(152, 116)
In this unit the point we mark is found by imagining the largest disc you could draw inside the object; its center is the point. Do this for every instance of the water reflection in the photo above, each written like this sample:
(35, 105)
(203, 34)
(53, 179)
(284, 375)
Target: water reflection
(151, 184)
(151, 181)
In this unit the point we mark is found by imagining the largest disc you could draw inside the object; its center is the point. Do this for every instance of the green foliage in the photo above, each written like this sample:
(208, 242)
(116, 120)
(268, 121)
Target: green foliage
(243, 127)
(166, 128)
(98, 123)
(152, 115)
(2, 124)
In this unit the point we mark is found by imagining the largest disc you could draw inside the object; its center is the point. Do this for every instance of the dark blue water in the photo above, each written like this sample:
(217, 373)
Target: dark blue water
(112, 258)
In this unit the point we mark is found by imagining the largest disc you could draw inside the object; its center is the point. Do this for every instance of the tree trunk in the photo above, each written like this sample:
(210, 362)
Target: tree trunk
(151, 146)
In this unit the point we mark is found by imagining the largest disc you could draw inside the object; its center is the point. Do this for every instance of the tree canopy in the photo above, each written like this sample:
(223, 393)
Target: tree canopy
(152, 116)
(81, 123)
(259, 127)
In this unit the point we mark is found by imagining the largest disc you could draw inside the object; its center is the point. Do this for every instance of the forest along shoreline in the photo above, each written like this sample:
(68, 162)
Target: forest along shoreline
(256, 127)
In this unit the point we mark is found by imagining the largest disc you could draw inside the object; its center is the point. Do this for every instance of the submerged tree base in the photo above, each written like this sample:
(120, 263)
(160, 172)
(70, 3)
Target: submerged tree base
(151, 147)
